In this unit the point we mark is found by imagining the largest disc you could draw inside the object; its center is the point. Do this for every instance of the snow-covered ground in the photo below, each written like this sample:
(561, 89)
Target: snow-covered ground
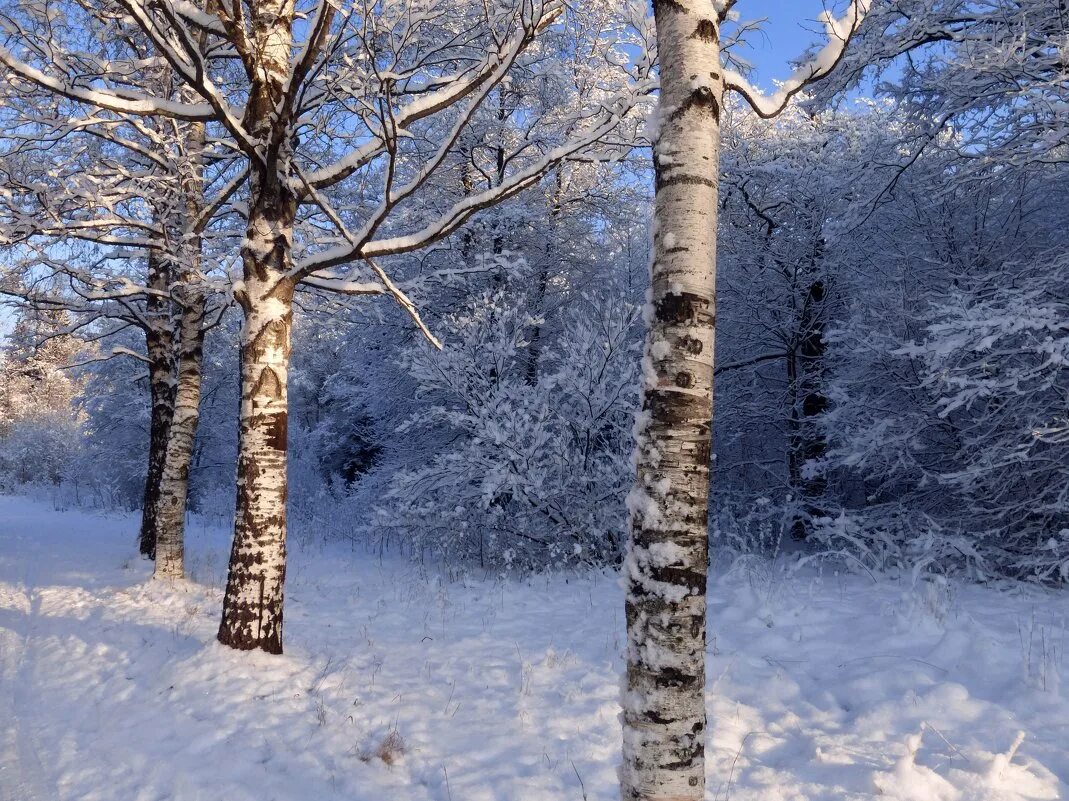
(403, 683)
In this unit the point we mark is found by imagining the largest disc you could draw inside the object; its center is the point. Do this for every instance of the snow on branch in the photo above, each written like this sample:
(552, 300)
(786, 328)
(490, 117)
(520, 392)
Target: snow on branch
(121, 101)
(345, 287)
(115, 353)
(342, 286)
(453, 89)
(405, 303)
(197, 18)
(186, 58)
(211, 207)
(839, 31)
(603, 124)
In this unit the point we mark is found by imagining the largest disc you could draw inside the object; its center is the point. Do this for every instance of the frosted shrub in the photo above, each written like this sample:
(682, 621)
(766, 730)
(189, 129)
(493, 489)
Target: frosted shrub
(755, 527)
(38, 451)
(40, 430)
(535, 459)
(962, 451)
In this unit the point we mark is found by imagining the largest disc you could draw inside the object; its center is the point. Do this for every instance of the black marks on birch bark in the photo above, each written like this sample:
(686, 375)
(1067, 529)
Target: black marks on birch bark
(162, 390)
(691, 345)
(684, 308)
(671, 409)
(707, 31)
(673, 6)
(663, 181)
(252, 607)
(702, 99)
(277, 430)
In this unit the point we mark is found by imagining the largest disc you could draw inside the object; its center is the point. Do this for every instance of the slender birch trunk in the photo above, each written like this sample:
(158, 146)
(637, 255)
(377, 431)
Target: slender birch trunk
(162, 383)
(174, 490)
(252, 607)
(667, 563)
(174, 484)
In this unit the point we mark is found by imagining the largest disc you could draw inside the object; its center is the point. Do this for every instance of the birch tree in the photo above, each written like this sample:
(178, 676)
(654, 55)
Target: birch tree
(188, 293)
(58, 198)
(314, 95)
(131, 192)
(664, 699)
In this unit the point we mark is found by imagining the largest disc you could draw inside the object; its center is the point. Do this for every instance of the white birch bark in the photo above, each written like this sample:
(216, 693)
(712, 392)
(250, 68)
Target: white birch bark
(174, 483)
(188, 293)
(252, 606)
(664, 699)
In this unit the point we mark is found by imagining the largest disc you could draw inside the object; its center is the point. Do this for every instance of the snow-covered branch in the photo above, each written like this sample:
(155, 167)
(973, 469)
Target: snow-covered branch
(452, 90)
(838, 30)
(605, 122)
(122, 101)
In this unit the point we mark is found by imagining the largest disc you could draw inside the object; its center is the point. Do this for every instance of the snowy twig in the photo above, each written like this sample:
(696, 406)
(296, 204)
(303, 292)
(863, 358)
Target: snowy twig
(839, 32)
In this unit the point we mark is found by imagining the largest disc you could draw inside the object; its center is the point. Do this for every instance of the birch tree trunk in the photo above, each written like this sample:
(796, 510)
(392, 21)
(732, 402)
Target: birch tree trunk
(252, 607)
(174, 490)
(667, 563)
(174, 484)
(162, 380)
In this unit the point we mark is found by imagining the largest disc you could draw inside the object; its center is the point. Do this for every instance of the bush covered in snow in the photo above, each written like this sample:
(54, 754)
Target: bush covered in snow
(533, 463)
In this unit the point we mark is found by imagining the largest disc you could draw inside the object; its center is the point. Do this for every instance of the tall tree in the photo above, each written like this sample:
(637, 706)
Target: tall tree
(347, 111)
(131, 191)
(189, 295)
(667, 562)
(161, 378)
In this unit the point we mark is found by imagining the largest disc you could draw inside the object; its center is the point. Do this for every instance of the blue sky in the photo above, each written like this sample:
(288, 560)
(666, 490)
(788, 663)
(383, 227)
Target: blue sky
(791, 27)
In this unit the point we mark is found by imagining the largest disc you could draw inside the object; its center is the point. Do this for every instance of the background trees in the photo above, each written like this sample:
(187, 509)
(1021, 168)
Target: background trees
(530, 464)
(39, 424)
(893, 208)
(833, 426)
(892, 285)
(106, 215)
(359, 119)
(889, 278)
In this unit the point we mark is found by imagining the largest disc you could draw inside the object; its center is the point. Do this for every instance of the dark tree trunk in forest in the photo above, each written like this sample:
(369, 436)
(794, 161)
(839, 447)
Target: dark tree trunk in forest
(162, 392)
(805, 375)
(534, 347)
(162, 381)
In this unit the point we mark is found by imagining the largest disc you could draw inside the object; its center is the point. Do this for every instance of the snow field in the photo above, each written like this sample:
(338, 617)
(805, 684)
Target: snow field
(405, 683)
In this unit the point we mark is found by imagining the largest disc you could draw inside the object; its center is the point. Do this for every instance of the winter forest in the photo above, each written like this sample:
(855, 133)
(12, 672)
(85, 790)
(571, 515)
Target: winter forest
(358, 434)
